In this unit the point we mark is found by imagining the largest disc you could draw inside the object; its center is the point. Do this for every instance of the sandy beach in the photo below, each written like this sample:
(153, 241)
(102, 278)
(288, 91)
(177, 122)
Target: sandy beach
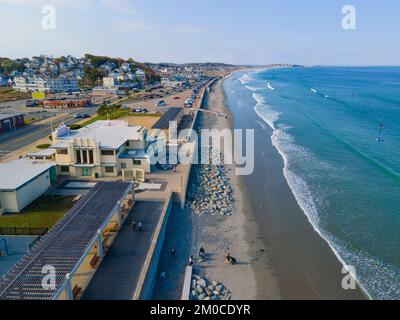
(252, 277)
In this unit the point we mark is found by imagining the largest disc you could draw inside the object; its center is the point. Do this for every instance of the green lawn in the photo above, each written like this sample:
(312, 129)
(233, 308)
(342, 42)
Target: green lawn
(118, 115)
(45, 212)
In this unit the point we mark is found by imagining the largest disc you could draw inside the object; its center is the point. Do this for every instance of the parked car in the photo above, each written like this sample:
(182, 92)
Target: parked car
(85, 116)
(77, 116)
(161, 104)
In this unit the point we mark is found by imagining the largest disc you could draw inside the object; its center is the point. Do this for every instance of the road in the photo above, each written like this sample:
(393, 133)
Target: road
(28, 134)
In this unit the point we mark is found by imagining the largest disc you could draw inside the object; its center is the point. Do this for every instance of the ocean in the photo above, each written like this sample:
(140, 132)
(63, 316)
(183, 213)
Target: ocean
(338, 132)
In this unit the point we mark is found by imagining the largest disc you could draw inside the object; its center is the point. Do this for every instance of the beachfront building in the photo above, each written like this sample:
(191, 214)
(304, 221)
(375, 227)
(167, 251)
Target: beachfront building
(46, 84)
(23, 181)
(102, 149)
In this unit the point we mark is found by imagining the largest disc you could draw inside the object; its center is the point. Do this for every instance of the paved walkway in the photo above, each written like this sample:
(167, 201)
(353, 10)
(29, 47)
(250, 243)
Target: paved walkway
(117, 276)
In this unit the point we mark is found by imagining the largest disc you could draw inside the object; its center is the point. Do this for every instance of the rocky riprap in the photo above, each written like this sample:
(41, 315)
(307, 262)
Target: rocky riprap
(202, 289)
(211, 191)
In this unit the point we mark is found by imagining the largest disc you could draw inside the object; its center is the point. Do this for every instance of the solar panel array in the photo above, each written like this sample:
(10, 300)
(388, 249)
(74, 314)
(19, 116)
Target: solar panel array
(64, 245)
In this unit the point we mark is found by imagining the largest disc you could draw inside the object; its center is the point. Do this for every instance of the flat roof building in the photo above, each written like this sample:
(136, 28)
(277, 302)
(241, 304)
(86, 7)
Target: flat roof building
(23, 181)
(96, 150)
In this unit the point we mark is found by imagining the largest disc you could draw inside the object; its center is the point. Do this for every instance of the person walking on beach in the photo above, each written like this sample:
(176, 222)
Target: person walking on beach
(133, 224)
(191, 261)
(202, 253)
(172, 252)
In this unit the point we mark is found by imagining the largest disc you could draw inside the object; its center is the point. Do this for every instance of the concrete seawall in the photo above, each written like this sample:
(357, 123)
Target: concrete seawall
(180, 193)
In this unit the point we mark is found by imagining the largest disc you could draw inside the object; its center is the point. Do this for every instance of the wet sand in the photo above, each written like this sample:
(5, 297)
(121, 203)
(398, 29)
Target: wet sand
(252, 277)
(305, 265)
(280, 255)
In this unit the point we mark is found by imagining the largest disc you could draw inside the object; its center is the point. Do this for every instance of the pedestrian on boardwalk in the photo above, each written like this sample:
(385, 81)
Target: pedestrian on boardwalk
(140, 226)
(133, 225)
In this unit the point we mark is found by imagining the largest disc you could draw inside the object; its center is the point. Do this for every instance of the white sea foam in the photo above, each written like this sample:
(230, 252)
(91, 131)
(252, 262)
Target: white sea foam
(245, 79)
(264, 111)
(285, 145)
(270, 87)
(253, 88)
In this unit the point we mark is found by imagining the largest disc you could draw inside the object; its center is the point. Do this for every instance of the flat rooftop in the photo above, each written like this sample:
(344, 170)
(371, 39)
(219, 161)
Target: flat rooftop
(118, 274)
(43, 153)
(172, 114)
(65, 244)
(15, 174)
(110, 134)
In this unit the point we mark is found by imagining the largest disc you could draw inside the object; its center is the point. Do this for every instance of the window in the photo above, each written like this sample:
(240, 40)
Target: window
(62, 151)
(64, 169)
(85, 158)
(78, 156)
(136, 162)
(123, 165)
(109, 169)
(91, 158)
(107, 152)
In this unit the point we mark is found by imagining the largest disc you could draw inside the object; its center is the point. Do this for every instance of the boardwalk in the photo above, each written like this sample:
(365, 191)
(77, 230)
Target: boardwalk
(118, 274)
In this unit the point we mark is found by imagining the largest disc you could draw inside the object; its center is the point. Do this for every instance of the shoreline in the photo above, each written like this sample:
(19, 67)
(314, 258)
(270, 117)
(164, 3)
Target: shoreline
(253, 248)
(300, 254)
(252, 278)
(280, 254)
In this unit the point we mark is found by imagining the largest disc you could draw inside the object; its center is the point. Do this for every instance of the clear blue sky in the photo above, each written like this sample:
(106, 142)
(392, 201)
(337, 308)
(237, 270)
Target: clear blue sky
(233, 31)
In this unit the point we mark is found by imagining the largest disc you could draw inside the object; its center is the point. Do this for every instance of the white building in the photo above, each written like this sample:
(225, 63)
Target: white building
(140, 75)
(108, 82)
(48, 85)
(102, 149)
(23, 181)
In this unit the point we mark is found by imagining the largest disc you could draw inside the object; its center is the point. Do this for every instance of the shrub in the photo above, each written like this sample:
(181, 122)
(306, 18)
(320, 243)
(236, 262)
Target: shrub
(43, 146)
(75, 126)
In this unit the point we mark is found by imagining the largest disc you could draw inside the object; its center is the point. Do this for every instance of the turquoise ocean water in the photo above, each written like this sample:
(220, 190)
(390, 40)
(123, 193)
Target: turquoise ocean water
(338, 131)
